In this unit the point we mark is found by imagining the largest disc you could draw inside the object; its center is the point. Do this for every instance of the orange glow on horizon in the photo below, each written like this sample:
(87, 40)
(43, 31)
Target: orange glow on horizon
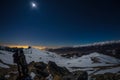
(26, 46)
(18, 46)
(39, 47)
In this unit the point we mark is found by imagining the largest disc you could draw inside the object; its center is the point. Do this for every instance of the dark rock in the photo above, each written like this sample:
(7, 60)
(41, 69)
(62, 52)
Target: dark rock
(41, 70)
(69, 77)
(2, 77)
(106, 76)
(54, 69)
(80, 75)
(40, 65)
(61, 73)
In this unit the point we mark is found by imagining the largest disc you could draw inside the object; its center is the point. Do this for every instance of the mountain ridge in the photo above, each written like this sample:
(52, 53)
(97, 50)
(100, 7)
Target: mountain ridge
(111, 48)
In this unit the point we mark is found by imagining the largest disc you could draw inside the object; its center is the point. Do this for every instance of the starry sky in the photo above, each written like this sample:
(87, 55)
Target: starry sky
(59, 22)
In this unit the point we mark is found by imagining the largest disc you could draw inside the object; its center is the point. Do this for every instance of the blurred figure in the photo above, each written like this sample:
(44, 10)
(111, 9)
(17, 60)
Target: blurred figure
(20, 60)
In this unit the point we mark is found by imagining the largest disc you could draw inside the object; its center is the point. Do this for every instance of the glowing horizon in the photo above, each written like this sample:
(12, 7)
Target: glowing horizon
(26, 46)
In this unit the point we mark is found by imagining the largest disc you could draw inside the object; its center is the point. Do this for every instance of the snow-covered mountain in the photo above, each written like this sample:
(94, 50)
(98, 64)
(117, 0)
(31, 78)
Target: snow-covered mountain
(88, 62)
(110, 48)
(31, 55)
(99, 43)
(93, 60)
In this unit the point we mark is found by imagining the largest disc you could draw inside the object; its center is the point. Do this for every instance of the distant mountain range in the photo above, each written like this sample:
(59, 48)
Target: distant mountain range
(111, 48)
(98, 43)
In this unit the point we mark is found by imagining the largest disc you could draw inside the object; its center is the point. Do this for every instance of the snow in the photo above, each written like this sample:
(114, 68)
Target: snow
(6, 57)
(3, 65)
(84, 62)
(7, 76)
(112, 70)
(32, 55)
(98, 43)
(14, 72)
(50, 77)
(32, 74)
(44, 56)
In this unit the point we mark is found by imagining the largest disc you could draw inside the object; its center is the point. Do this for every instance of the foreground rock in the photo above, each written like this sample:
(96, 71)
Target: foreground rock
(106, 76)
(51, 71)
(42, 71)
(61, 73)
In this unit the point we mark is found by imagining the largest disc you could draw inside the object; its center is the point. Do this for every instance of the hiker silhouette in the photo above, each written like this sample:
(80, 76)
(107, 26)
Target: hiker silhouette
(20, 60)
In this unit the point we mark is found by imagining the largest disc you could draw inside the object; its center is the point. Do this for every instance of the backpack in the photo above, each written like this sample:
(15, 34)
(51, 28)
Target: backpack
(15, 57)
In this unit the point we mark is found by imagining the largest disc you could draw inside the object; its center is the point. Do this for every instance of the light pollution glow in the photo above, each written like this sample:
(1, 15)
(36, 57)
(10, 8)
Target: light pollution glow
(26, 46)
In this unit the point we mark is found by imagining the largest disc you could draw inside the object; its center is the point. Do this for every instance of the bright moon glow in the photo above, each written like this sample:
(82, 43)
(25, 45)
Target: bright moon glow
(34, 5)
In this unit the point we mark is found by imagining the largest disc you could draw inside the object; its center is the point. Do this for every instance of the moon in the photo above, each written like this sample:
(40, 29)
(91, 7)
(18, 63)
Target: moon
(34, 5)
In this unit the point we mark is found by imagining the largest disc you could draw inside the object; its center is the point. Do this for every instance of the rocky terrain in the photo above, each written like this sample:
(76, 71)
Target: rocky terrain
(45, 65)
(42, 71)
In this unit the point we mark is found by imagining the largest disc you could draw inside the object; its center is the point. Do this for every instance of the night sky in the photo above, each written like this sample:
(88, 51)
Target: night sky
(59, 22)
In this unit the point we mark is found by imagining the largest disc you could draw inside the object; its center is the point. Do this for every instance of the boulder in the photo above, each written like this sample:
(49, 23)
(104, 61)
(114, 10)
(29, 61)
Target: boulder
(40, 65)
(80, 75)
(106, 76)
(40, 70)
(54, 69)
(61, 73)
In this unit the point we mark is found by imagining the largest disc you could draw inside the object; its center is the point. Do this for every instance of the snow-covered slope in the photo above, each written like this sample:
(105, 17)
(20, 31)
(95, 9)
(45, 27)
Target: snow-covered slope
(6, 57)
(86, 60)
(31, 55)
(36, 55)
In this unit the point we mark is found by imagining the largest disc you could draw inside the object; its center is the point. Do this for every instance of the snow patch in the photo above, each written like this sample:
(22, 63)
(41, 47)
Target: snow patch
(6, 57)
(112, 70)
(7, 76)
(32, 74)
(4, 66)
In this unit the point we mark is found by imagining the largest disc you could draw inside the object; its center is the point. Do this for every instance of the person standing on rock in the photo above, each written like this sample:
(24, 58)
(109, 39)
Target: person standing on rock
(20, 60)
